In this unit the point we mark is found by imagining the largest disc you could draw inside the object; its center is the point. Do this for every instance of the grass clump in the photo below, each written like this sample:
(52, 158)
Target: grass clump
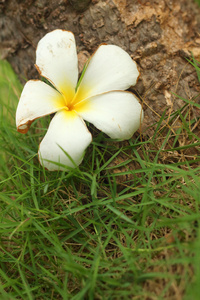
(198, 1)
(125, 225)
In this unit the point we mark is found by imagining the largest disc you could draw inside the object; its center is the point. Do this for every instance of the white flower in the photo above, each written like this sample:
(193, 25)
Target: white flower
(99, 99)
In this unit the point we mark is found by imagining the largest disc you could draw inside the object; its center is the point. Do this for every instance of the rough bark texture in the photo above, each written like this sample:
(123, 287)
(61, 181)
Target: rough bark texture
(158, 34)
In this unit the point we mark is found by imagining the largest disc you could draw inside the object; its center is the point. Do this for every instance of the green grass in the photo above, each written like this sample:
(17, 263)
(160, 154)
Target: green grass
(125, 225)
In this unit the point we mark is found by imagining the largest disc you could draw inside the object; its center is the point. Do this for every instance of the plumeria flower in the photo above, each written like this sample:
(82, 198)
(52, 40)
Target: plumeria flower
(99, 98)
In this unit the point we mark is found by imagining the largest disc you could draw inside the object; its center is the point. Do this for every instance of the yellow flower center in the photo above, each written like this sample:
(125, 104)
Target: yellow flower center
(73, 100)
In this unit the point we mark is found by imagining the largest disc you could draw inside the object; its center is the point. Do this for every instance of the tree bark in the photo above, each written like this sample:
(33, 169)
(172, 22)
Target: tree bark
(158, 34)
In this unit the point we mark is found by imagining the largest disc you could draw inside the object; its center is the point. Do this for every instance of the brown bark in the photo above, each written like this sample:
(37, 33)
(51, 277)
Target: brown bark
(158, 34)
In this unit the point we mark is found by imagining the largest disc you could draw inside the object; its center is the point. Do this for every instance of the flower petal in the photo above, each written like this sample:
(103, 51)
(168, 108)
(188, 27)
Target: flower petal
(69, 132)
(37, 100)
(56, 59)
(117, 113)
(110, 68)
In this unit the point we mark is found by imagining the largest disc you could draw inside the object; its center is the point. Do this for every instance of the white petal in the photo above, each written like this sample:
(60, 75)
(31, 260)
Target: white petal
(56, 59)
(68, 131)
(117, 113)
(110, 68)
(37, 100)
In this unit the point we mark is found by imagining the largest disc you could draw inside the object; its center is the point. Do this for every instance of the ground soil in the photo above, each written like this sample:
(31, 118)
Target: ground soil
(158, 34)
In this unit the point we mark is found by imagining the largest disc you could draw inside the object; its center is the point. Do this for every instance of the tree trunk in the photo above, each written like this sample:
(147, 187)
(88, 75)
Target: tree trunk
(158, 34)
